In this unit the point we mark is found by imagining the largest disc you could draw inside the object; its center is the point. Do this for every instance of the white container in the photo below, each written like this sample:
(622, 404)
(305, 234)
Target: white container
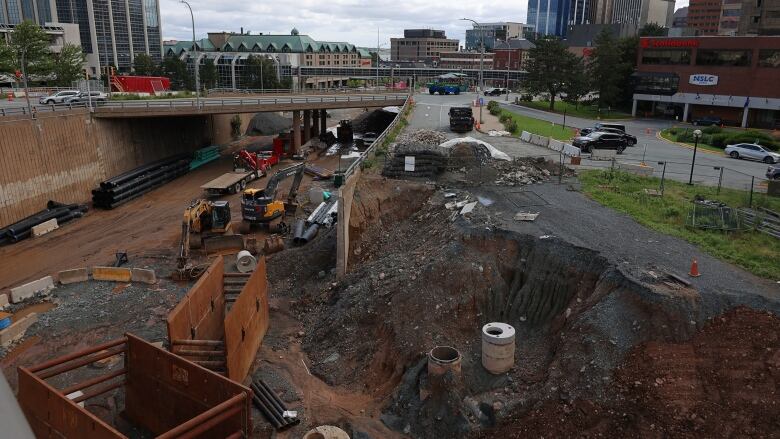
(498, 347)
(245, 262)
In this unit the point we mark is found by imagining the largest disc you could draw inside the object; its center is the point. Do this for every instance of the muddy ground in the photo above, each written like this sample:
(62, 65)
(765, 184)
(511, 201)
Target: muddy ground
(607, 344)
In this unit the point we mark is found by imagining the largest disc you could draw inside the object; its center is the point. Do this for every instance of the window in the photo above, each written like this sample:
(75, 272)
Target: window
(732, 12)
(667, 57)
(655, 83)
(769, 58)
(706, 57)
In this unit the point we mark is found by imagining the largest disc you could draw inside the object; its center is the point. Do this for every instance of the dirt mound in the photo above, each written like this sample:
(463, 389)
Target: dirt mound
(268, 124)
(424, 137)
(721, 383)
(372, 121)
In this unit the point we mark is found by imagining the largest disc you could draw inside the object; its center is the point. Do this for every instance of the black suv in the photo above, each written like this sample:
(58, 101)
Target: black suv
(708, 121)
(601, 140)
(630, 140)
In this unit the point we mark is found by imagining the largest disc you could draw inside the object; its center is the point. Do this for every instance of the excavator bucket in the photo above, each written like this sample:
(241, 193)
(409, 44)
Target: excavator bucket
(223, 243)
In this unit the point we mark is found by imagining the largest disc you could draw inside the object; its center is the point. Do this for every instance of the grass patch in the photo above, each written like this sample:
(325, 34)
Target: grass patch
(537, 126)
(667, 134)
(754, 251)
(135, 97)
(581, 110)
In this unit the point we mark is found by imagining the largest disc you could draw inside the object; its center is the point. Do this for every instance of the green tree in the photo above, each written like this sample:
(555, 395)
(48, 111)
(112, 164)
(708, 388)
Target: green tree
(28, 51)
(653, 30)
(176, 70)
(143, 65)
(578, 84)
(605, 68)
(68, 65)
(260, 72)
(208, 74)
(550, 66)
(627, 47)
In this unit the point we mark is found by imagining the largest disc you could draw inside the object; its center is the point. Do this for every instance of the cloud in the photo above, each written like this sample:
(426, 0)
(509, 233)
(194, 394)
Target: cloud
(352, 21)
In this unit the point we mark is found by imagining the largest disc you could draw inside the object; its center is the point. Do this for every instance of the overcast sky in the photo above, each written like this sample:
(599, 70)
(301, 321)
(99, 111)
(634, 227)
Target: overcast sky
(353, 21)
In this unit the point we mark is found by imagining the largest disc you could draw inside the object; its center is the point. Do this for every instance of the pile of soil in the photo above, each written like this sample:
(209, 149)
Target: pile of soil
(373, 121)
(268, 124)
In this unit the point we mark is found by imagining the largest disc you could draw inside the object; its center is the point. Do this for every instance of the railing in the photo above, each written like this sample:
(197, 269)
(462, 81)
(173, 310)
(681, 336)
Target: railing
(307, 91)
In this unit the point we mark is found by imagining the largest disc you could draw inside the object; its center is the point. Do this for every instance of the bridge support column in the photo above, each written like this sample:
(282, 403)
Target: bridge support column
(296, 129)
(323, 121)
(306, 126)
(315, 123)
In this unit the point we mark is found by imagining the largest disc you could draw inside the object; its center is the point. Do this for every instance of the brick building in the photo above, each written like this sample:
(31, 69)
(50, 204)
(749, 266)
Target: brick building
(511, 55)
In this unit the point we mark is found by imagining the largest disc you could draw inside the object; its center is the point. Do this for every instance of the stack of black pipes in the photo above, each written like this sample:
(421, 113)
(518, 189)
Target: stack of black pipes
(23, 229)
(134, 183)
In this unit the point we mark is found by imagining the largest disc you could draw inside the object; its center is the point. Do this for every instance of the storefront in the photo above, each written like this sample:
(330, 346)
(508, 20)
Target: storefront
(734, 78)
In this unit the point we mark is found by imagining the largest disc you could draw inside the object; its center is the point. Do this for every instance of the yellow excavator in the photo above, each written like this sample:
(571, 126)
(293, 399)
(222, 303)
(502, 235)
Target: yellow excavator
(203, 219)
(260, 206)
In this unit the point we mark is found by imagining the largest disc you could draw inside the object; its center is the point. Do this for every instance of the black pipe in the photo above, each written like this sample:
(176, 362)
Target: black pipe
(309, 234)
(269, 414)
(298, 230)
(129, 175)
(270, 396)
(273, 410)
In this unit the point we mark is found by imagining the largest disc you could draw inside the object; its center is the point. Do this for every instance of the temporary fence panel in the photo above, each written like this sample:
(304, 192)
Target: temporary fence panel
(200, 314)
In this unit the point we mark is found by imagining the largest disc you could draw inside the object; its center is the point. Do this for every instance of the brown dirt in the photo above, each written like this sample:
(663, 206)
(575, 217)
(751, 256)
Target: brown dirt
(721, 383)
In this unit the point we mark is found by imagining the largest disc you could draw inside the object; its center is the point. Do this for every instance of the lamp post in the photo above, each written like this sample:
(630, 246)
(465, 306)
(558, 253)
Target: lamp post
(481, 60)
(195, 52)
(696, 135)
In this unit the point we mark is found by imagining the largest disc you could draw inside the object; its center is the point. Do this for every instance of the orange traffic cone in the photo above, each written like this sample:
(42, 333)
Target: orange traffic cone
(694, 269)
(477, 125)
(11, 97)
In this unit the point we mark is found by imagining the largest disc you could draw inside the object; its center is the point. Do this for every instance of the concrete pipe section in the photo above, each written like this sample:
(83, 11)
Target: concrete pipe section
(498, 347)
(442, 359)
(245, 262)
(326, 432)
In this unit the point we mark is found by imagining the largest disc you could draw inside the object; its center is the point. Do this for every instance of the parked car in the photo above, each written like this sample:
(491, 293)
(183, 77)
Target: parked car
(752, 151)
(773, 172)
(58, 98)
(601, 140)
(708, 121)
(495, 91)
(83, 98)
(630, 140)
(614, 126)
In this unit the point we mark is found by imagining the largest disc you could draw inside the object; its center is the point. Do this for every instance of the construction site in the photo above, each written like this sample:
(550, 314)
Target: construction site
(342, 273)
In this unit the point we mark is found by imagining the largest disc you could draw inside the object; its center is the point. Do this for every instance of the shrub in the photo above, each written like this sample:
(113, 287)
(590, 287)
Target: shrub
(711, 130)
(673, 131)
(511, 125)
(504, 118)
(494, 111)
(527, 97)
(491, 105)
(719, 140)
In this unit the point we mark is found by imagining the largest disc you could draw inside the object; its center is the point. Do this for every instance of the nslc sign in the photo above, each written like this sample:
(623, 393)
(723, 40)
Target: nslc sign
(702, 79)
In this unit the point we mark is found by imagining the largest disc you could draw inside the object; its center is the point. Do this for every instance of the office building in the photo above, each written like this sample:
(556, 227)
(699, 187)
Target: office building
(680, 17)
(421, 45)
(734, 78)
(580, 38)
(704, 16)
(512, 54)
(548, 17)
(37, 11)
(759, 17)
(730, 13)
(491, 33)
(113, 32)
(465, 60)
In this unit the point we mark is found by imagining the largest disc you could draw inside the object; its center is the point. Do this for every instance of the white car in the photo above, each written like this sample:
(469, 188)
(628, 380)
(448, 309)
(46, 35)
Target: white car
(752, 151)
(82, 98)
(58, 98)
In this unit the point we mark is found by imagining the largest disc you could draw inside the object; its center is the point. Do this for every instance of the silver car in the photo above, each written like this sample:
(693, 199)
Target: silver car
(58, 98)
(752, 151)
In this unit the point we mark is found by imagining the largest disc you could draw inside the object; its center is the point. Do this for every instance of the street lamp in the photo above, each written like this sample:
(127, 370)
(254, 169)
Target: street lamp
(696, 135)
(194, 50)
(481, 60)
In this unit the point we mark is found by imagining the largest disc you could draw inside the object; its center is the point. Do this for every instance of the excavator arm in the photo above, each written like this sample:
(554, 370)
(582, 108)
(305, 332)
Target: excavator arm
(273, 182)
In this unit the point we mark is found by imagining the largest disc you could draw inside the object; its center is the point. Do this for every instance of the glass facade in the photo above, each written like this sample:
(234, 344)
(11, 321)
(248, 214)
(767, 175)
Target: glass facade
(769, 58)
(28, 10)
(153, 33)
(549, 17)
(44, 11)
(666, 57)
(655, 83)
(121, 35)
(75, 11)
(707, 57)
(136, 8)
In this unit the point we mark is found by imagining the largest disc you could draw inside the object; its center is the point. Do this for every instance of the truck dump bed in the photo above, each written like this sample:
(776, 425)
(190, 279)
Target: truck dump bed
(225, 181)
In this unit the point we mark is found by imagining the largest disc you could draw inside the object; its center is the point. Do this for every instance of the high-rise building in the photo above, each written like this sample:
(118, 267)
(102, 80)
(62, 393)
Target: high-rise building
(422, 45)
(759, 17)
(704, 16)
(680, 17)
(548, 17)
(493, 32)
(37, 11)
(640, 12)
(113, 32)
(730, 13)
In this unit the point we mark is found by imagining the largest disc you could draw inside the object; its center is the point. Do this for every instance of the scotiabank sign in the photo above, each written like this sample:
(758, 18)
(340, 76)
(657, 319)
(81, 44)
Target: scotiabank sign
(702, 79)
(649, 43)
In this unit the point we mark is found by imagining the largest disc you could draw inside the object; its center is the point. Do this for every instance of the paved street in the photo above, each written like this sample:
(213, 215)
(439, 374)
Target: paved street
(431, 113)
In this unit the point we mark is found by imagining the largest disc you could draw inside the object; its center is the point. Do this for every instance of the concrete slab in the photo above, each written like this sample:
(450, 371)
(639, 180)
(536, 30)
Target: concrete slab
(31, 289)
(17, 329)
(143, 275)
(114, 274)
(3, 300)
(72, 276)
(45, 227)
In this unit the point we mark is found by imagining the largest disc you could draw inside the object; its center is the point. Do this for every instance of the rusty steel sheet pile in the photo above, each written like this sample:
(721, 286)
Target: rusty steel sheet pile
(164, 393)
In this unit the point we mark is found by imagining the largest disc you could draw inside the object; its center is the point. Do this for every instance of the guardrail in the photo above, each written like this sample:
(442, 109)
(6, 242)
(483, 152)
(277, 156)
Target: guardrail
(308, 91)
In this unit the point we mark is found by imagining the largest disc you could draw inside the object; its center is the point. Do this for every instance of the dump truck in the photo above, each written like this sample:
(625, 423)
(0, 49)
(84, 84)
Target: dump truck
(461, 119)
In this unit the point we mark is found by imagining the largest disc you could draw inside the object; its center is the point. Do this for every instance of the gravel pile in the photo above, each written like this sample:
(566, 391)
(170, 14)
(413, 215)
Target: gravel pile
(520, 172)
(424, 137)
(268, 124)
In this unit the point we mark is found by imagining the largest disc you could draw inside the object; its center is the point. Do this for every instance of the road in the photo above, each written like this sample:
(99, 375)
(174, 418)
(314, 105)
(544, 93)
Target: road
(431, 113)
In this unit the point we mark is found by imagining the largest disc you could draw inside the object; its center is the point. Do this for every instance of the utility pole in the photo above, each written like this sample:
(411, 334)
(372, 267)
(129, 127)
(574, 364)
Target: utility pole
(377, 60)
(481, 61)
(195, 54)
(508, 67)
(24, 77)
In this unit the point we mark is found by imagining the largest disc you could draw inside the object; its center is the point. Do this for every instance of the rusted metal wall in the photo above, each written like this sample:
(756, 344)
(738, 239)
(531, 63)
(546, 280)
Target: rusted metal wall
(200, 314)
(247, 323)
(164, 390)
(52, 415)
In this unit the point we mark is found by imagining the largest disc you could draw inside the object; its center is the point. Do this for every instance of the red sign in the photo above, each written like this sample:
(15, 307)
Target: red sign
(18, 74)
(646, 43)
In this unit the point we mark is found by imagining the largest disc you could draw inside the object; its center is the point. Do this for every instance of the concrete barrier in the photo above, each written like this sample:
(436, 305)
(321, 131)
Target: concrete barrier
(66, 277)
(31, 289)
(555, 145)
(525, 136)
(603, 154)
(645, 171)
(17, 329)
(3, 300)
(540, 140)
(143, 275)
(113, 274)
(45, 227)
(571, 151)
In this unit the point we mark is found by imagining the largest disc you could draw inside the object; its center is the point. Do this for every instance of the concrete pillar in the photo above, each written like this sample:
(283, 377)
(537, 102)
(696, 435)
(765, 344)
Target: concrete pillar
(745, 116)
(306, 125)
(296, 137)
(685, 112)
(315, 124)
(323, 121)
(633, 108)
